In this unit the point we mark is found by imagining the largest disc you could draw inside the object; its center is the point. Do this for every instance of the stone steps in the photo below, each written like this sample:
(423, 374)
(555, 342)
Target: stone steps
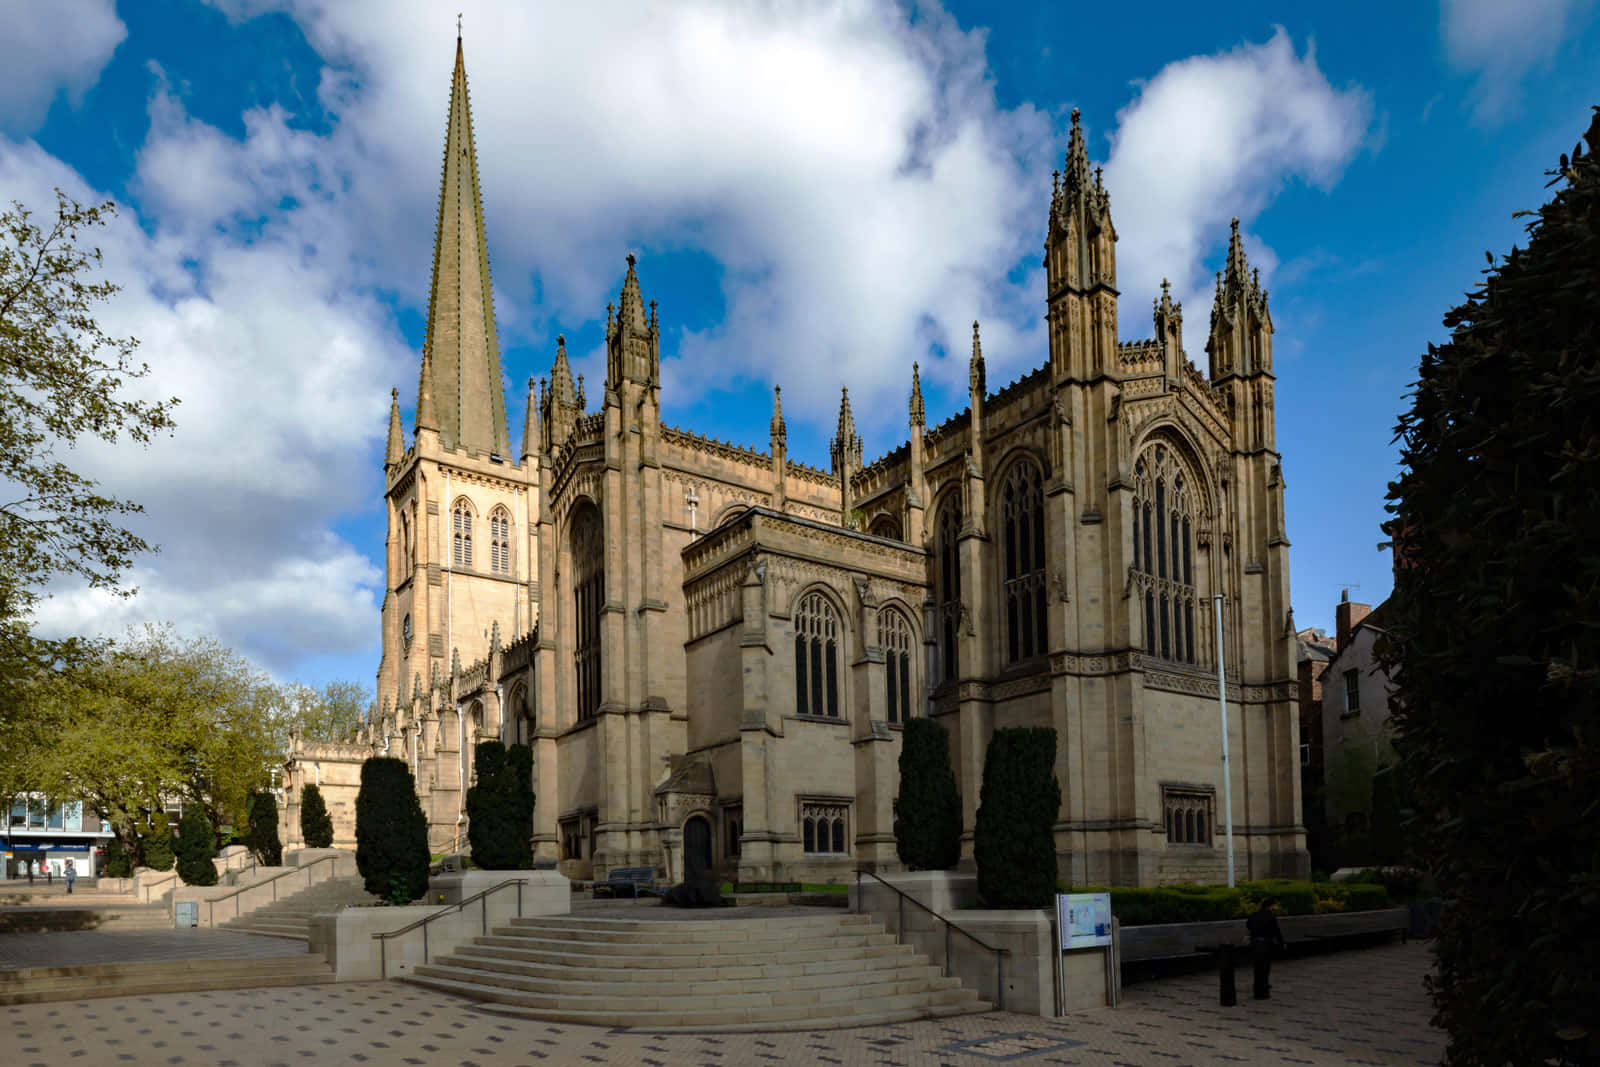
(290, 917)
(784, 973)
(120, 917)
(38, 984)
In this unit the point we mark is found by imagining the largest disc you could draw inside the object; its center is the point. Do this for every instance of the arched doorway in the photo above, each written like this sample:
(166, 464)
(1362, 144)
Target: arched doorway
(696, 847)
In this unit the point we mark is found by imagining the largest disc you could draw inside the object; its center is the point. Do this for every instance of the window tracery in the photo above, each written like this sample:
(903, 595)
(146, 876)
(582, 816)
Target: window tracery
(1187, 816)
(947, 585)
(1164, 520)
(500, 541)
(823, 827)
(461, 521)
(589, 594)
(894, 637)
(1022, 528)
(816, 657)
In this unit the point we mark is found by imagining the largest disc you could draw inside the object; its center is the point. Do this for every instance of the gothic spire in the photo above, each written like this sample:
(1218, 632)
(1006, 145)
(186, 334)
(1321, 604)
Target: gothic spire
(1237, 274)
(779, 430)
(530, 424)
(846, 445)
(561, 375)
(977, 375)
(630, 309)
(461, 333)
(427, 417)
(918, 417)
(397, 439)
(1076, 184)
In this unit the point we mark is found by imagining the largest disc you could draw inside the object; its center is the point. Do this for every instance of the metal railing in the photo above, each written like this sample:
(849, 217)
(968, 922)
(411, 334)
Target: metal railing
(211, 910)
(899, 934)
(383, 937)
(151, 884)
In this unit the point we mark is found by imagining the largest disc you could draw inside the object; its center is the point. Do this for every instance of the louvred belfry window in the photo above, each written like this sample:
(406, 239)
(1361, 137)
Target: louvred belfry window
(500, 542)
(461, 555)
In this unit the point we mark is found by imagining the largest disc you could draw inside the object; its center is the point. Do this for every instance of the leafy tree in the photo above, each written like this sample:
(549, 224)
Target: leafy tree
(261, 832)
(197, 846)
(316, 825)
(62, 380)
(333, 713)
(157, 843)
(1494, 643)
(927, 813)
(500, 808)
(1014, 839)
(118, 863)
(391, 832)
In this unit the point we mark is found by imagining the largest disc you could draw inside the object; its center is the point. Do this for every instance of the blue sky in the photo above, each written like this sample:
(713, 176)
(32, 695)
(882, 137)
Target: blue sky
(818, 193)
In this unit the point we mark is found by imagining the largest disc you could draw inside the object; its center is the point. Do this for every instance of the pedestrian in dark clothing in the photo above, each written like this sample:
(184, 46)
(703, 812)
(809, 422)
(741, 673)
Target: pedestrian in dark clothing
(70, 873)
(1264, 938)
(49, 875)
(29, 867)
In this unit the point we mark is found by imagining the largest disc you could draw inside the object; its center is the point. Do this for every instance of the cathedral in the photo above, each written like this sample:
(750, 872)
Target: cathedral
(712, 649)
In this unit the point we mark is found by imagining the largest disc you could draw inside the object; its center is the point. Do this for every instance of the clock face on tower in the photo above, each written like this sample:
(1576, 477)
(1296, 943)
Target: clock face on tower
(405, 631)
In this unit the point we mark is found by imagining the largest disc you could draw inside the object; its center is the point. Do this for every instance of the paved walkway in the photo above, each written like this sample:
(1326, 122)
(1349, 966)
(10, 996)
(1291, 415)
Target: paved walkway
(77, 948)
(1364, 1007)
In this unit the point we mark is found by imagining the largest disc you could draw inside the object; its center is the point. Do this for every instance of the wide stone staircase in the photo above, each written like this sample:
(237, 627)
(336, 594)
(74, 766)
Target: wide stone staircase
(41, 909)
(290, 917)
(733, 973)
(36, 984)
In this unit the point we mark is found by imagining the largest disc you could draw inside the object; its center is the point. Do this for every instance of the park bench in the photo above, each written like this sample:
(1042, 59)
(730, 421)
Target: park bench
(635, 879)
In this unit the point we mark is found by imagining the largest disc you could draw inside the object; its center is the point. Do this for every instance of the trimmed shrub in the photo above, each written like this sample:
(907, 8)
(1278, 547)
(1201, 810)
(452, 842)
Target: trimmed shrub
(118, 863)
(391, 832)
(1367, 897)
(261, 836)
(927, 813)
(1013, 841)
(1294, 898)
(197, 845)
(156, 843)
(316, 825)
(500, 808)
(1200, 903)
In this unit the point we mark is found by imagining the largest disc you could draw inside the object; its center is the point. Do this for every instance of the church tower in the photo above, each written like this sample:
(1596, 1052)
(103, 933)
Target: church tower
(461, 506)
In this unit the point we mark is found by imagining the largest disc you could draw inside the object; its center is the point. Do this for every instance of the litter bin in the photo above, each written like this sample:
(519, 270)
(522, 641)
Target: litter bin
(186, 913)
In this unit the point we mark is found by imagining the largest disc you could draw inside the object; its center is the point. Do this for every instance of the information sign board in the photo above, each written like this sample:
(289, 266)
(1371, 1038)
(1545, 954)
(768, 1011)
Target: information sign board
(1084, 919)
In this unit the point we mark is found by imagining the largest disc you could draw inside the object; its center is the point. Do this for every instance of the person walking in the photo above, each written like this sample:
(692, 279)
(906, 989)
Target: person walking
(71, 875)
(49, 873)
(28, 866)
(1264, 938)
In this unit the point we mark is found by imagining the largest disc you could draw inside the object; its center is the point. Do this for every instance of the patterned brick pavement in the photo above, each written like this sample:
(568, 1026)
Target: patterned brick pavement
(1364, 1007)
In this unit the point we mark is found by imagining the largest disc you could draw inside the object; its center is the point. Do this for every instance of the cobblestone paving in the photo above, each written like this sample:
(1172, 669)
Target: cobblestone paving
(76, 948)
(1363, 1007)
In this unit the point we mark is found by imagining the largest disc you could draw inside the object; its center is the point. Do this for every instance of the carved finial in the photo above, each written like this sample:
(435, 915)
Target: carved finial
(779, 430)
(631, 260)
(976, 372)
(846, 445)
(918, 417)
(582, 404)
(455, 662)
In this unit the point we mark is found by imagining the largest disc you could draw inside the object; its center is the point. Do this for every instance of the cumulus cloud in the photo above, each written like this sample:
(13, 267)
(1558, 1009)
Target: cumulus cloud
(1213, 137)
(53, 48)
(1501, 42)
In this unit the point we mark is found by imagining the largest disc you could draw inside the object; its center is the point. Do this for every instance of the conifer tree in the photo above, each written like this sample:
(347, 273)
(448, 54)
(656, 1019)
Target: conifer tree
(1494, 639)
(157, 843)
(197, 845)
(316, 825)
(927, 813)
(500, 808)
(261, 833)
(118, 864)
(1013, 839)
(391, 832)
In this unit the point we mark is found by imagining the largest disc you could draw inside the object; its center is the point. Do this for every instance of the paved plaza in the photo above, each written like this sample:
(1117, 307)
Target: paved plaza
(1364, 1007)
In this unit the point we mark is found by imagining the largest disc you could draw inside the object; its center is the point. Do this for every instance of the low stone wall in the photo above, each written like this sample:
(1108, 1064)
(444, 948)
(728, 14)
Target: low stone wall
(1027, 935)
(152, 886)
(345, 937)
(232, 858)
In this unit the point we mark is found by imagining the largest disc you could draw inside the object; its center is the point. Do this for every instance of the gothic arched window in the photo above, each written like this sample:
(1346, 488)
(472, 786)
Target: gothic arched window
(947, 585)
(405, 544)
(894, 637)
(589, 597)
(1163, 555)
(1022, 529)
(816, 657)
(461, 521)
(885, 526)
(500, 541)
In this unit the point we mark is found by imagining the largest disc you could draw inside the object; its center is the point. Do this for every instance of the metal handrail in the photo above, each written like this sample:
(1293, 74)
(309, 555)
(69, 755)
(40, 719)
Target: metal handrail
(163, 881)
(383, 936)
(211, 905)
(899, 934)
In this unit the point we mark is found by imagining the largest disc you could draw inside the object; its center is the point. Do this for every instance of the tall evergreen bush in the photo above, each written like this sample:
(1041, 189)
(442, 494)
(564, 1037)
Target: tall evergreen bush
(118, 863)
(500, 807)
(1014, 840)
(1494, 639)
(316, 825)
(261, 832)
(156, 843)
(197, 845)
(927, 813)
(391, 832)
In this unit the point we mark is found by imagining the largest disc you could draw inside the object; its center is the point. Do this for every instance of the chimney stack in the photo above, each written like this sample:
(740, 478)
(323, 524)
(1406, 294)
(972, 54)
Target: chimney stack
(1347, 616)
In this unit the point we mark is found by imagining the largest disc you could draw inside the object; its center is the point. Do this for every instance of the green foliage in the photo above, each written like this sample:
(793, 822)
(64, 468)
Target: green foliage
(500, 807)
(1014, 840)
(156, 843)
(391, 832)
(1215, 903)
(332, 713)
(62, 381)
(197, 845)
(1494, 638)
(927, 813)
(118, 863)
(261, 832)
(316, 825)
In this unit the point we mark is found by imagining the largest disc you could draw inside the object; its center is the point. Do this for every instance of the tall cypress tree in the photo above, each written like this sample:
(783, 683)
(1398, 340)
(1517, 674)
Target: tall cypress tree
(391, 832)
(157, 843)
(197, 845)
(1014, 838)
(316, 825)
(1494, 639)
(500, 807)
(927, 813)
(261, 831)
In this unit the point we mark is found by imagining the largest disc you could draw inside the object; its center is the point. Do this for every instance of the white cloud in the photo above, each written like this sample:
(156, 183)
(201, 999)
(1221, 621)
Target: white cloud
(1213, 137)
(1500, 42)
(53, 48)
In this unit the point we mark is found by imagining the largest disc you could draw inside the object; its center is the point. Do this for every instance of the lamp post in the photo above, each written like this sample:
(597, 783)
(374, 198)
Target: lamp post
(1227, 771)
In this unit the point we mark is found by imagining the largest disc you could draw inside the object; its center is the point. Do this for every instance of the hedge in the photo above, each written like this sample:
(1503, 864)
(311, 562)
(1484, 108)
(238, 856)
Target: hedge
(1202, 903)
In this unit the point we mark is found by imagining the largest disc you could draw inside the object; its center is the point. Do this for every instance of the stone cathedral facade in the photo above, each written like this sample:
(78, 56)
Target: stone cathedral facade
(712, 648)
